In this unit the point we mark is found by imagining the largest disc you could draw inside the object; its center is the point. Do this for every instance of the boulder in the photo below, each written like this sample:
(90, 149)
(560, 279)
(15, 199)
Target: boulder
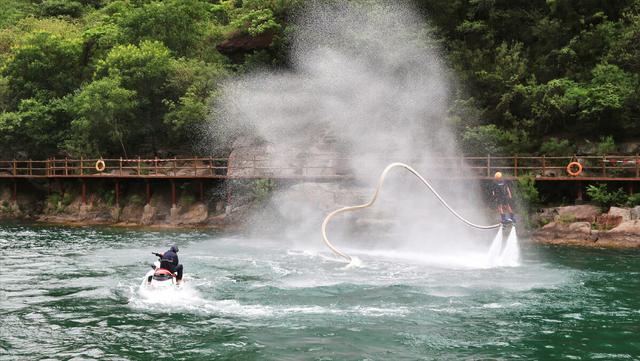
(635, 213)
(606, 221)
(580, 228)
(628, 227)
(558, 232)
(582, 213)
(624, 213)
(132, 213)
(148, 215)
(627, 234)
(546, 215)
(196, 214)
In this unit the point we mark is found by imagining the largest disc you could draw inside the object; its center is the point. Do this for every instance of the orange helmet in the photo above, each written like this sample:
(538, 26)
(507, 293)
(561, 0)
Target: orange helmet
(497, 176)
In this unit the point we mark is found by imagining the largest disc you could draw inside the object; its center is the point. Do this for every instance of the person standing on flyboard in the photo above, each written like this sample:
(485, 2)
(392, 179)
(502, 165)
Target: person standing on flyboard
(502, 195)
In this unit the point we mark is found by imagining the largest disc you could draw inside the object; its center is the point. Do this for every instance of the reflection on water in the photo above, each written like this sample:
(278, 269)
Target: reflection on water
(75, 292)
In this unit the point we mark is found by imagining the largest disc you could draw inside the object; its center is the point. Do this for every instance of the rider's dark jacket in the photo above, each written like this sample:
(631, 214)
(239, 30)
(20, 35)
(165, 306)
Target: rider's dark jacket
(169, 260)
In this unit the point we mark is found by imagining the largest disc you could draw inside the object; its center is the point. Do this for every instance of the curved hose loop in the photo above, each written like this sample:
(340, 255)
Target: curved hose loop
(375, 196)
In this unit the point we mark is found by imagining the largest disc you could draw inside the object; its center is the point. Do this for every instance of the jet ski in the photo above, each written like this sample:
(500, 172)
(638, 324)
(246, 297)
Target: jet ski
(159, 278)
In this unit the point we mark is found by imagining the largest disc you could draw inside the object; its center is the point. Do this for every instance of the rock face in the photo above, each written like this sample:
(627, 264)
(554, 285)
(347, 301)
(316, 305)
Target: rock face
(635, 213)
(581, 213)
(624, 213)
(252, 158)
(196, 214)
(575, 225)
(575, 232)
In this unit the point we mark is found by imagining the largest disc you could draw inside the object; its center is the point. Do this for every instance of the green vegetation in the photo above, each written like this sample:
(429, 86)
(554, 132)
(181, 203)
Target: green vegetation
(137, 77)
(121, 78)
(604, 198)
(262, 188)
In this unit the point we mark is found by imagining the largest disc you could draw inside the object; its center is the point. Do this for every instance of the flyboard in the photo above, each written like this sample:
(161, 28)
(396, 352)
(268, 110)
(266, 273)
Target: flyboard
(375, 197)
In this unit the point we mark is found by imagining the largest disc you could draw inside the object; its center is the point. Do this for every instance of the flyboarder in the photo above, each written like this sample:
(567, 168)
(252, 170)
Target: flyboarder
(169, 261)
(502, 195)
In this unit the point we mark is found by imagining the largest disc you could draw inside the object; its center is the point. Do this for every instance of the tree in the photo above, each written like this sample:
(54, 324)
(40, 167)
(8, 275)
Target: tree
(44, 66)
(178, 24)
(144, 69)
(104, 119)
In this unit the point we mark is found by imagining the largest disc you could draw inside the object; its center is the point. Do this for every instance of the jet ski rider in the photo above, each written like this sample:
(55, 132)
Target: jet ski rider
(169, 261)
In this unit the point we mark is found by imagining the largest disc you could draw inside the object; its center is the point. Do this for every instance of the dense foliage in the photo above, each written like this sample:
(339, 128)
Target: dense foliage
(546, 74)
(137, 77)
(121, 77)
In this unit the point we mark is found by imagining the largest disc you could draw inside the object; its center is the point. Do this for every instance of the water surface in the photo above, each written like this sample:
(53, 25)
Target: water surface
(70, 293)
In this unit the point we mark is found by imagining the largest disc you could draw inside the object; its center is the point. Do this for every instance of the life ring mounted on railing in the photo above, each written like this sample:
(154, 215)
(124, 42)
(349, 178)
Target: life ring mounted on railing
(100, 166)
(574, 172)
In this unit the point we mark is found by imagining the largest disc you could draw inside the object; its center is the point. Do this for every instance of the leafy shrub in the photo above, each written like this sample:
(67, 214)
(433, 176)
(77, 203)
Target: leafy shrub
(605, 199)
(566, 218)
(109, 197)
(262, 188)
(187, 199)
(606, 145)
(633, 200)
(557, 147)
(136, 200)
(67, 199)
(61, 8)
(527, 192)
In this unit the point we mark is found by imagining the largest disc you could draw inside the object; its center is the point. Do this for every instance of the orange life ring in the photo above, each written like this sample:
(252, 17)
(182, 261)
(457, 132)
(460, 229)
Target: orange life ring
(100, 166)
(571, 171)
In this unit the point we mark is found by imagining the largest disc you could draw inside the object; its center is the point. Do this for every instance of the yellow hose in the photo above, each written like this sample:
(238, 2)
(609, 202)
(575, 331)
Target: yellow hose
(375, 196)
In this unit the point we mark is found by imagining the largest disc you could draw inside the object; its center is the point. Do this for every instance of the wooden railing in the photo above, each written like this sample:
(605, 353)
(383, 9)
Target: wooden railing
(138, 167)
(542, 167)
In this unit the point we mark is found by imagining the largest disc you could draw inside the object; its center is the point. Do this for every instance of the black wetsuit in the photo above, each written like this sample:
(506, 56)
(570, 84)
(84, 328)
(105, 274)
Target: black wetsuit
(170, 261)
(501, 191)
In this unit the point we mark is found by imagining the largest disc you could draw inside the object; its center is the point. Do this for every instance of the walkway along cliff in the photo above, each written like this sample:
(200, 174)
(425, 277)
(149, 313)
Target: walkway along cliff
(212, 192)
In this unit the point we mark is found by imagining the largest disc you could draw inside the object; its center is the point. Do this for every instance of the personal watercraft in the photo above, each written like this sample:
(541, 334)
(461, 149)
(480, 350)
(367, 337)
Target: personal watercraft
(160, 277)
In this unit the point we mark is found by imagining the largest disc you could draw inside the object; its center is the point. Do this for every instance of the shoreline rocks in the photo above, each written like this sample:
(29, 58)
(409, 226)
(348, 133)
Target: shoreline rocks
(586, 225)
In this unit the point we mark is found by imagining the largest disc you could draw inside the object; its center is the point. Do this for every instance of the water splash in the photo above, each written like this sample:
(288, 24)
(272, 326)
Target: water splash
(510, 255)
(496, 247)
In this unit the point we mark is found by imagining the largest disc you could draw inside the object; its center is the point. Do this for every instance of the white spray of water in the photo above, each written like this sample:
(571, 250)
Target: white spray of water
(509, 255)
(367, 77)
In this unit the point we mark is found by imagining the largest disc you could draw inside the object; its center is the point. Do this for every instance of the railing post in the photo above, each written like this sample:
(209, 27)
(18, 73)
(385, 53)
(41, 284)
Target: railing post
(544, 165)
(488, 165)
(515, 165)
(53, 167)
(138, 165)
(195, 167)
(120, 166)
(66, 166)
(30, 167)
(210, 165)
(155, 165)
(637, 167)
(175, 164)
(604, 165)
(15, 170)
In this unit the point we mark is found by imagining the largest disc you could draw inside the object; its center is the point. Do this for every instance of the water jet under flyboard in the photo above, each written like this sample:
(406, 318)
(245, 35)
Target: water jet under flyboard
(500, 253)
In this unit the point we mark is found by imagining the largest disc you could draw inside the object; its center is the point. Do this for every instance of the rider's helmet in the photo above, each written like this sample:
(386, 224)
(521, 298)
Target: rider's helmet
(174, 248)
(497, 176)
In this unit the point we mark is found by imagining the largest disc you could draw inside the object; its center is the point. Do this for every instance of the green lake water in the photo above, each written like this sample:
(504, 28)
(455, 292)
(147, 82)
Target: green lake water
(73, 293)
